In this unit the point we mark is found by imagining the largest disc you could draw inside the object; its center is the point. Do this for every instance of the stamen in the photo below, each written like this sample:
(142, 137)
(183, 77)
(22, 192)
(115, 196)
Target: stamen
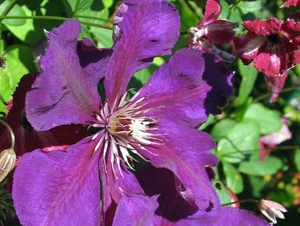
(126, 130)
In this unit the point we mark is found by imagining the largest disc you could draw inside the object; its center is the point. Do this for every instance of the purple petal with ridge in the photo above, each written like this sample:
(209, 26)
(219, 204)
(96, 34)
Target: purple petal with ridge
(137, 210)
(143, 30)
(189, 87)
(165, 205)
(115, 185)
(66, 90)
(188, 162)
(59, 187)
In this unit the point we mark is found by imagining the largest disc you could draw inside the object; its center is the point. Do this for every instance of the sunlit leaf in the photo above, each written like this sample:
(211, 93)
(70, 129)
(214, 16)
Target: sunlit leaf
(220, 129)
(234, 179)
(78, 6)
(248, 74)
(222, 192)
(297, 159)
(268, 120)
(33, 30)
(107, 3)
(254, 167)
(16, 10)
(241, 139)
(225, 10)
(249, 6)
(235, 16)
(19, 63)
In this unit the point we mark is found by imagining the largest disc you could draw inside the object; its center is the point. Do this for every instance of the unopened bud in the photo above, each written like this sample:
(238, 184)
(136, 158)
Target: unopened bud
(7, 162)
(271, 210)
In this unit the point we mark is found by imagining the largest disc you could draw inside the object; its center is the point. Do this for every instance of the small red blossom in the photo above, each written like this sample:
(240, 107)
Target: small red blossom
(267, 142)
(289, 3)
(272, 45)
(233, 198)
(210, 30)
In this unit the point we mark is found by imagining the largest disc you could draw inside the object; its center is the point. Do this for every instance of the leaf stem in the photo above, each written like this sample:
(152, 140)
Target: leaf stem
(52, 18)
(241, 201)
(286, 90)
(7, 9)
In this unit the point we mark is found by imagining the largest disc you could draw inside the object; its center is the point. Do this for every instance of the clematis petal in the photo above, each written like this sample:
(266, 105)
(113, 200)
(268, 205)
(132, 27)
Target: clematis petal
(66, 90)
(263, 28)
(188, 93)
(188, 162)
(137, 210)
(212, 12)
(221, 31)
(268, 63)
(114, 189)
(143, 30)
(235, 216)
(248, 46)
(275, 85)
(58, 188)
(28, 139)
(291, 29)
(172, 208)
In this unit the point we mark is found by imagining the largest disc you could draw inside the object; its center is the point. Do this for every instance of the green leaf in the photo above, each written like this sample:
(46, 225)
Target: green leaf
(220, 129)
(222, 192)
(249, 75)
(268, 120)
(19, 62)
(240, 139)
(249, 6)
(209, 120)
(239, 111)
(78, 6)
(297, 159)
(254, 167)
(235, 16)
(234, 180)
(16, 10)
(107, 3)
(225, 10)
(2, 106)
(33, 30)
(257, 184)
(103, 37)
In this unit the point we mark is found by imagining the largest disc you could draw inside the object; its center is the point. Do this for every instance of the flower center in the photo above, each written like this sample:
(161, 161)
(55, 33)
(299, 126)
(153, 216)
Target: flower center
(126, 130)
(273, 39)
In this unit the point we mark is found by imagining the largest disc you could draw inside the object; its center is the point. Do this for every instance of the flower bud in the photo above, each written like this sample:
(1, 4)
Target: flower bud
(271, 210)
(7, 162)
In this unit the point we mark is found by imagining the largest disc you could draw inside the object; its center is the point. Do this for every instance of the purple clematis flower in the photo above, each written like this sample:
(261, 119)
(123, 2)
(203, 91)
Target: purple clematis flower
(84, 184)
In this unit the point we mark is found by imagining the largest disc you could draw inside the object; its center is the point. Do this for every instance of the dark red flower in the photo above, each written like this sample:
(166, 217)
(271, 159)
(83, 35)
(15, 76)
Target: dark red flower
(267, 142)
(272, 45)
(210, 30)
(289, 3)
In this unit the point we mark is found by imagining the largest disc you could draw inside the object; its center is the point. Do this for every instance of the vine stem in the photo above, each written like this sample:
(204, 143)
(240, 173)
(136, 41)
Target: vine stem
(7, 9)
(54, 18)
(241, 201)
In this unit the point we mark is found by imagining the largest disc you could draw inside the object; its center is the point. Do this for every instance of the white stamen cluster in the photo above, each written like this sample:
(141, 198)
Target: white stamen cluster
(125, 130)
